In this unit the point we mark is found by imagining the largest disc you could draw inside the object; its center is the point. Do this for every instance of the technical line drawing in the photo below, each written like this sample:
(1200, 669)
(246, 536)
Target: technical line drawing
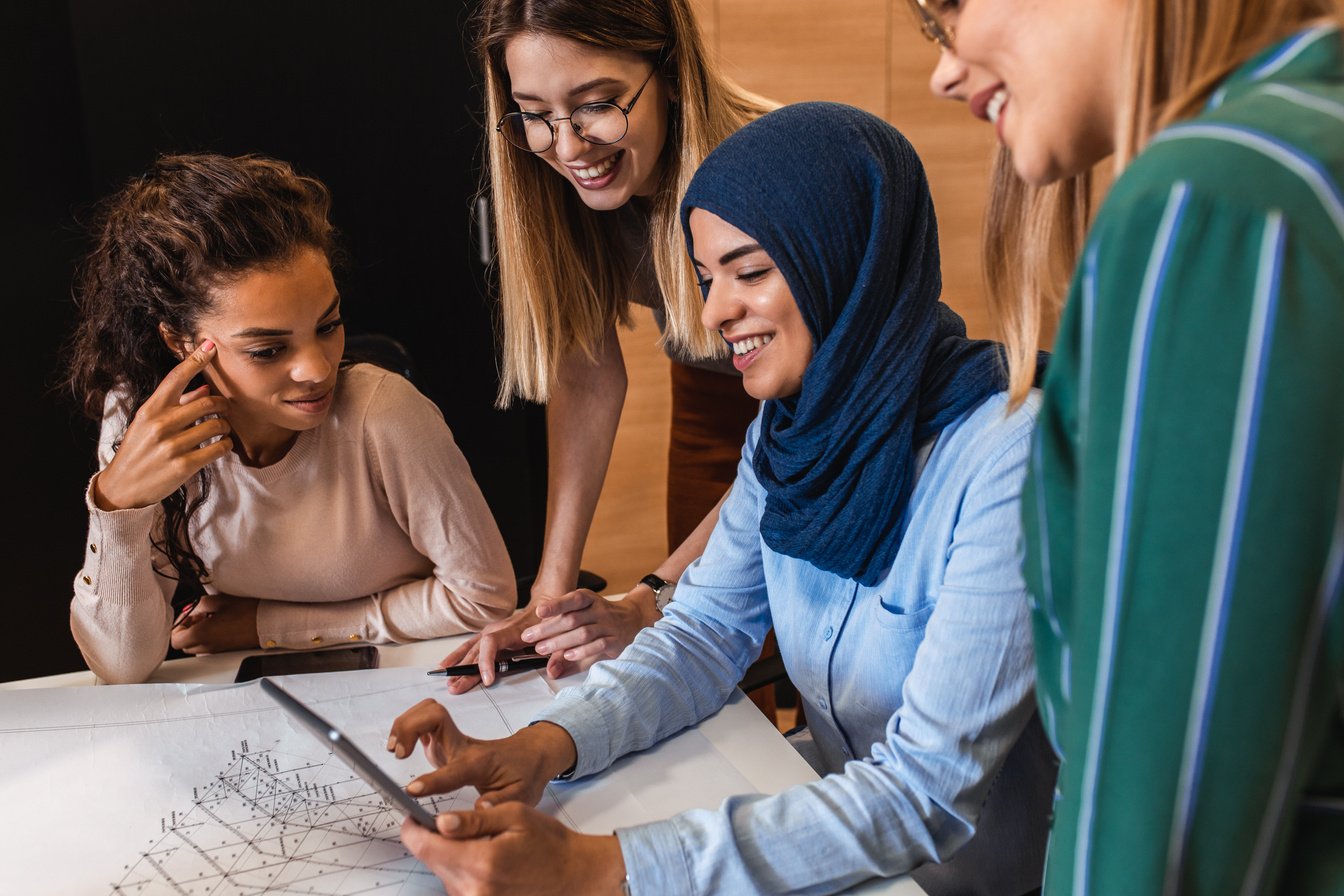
(277, 822)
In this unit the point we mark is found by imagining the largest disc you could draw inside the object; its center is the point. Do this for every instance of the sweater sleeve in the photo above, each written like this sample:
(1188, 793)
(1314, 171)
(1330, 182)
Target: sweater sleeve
(420, 472)
(121, 614)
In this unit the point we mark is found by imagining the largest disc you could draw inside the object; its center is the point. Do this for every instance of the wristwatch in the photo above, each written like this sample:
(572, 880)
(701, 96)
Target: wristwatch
(662, 589)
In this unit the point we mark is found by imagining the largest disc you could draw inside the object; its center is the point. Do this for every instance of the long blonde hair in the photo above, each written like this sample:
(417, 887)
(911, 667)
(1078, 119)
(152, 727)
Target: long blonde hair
(1177, 51)
(563, 271)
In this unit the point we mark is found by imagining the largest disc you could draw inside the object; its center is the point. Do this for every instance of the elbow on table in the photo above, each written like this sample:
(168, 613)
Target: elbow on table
(118, 658)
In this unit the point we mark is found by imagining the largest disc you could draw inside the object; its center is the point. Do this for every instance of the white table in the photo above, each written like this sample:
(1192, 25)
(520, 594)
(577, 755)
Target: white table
(739, 731)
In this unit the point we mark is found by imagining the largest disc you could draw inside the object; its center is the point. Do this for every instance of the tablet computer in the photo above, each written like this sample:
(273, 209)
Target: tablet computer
(350, 754)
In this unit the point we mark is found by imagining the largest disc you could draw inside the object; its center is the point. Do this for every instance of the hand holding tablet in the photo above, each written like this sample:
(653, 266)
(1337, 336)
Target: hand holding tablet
(351, 755)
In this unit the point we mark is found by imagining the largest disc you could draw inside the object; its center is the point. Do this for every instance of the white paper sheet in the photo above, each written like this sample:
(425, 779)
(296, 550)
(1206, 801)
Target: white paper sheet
(186, 789)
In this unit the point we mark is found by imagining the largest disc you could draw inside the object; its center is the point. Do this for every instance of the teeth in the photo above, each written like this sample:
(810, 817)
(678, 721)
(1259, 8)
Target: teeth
(750, 344)
(595, 171)
(995, 105)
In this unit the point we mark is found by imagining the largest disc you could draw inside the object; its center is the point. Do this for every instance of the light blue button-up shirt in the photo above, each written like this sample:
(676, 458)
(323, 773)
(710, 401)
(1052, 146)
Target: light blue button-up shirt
(914, 690)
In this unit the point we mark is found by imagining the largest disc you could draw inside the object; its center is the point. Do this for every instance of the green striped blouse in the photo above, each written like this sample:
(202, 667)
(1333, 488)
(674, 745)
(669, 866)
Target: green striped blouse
(1184, 515)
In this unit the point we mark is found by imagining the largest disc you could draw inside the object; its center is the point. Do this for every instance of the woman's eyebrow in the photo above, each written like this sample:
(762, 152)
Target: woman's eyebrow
(582, 88)
(252, 332)
(737, 253)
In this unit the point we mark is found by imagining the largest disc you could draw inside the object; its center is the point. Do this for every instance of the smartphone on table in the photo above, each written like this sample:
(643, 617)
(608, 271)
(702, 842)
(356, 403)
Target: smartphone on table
(300, 662)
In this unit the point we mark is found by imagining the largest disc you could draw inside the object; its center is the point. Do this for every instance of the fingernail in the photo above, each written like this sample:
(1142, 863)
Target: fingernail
(414, 787)
(545, 647)
(401, 751)
(571, 654)
(451, 822)
(208, 345)
(529, 634)
(391, 741)
(486, 804)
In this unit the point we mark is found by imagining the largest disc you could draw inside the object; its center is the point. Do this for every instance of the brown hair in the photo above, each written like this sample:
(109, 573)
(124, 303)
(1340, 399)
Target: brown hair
(1177, 52)
(563, 275)
(162, 244)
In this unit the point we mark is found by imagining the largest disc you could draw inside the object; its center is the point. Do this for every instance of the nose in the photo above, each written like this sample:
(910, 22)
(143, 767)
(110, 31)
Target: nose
(719, 309)
(568, 144)
(948, 80)
(312, 364)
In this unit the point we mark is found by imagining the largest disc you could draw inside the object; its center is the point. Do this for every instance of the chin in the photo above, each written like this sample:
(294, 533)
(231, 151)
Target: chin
(606, 200)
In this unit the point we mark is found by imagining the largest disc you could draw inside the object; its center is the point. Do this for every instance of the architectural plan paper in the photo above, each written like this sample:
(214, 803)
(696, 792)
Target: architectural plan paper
(207, 789)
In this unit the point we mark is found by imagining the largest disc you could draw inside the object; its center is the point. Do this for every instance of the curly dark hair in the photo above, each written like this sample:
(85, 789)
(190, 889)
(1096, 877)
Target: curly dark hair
(162, 244)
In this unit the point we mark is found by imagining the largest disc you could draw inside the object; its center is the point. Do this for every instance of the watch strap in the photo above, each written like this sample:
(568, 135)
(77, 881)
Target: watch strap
(662, 589)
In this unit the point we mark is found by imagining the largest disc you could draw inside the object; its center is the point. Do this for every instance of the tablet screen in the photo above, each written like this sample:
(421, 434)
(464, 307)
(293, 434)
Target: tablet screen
(352, 755)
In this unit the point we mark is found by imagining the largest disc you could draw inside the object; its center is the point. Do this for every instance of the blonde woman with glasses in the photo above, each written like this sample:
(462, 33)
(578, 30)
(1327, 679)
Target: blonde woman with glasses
(1184, 511)
(601, 111)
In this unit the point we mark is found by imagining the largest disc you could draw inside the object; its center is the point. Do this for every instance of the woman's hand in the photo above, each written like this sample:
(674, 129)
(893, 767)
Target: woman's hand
(166, 442)
(216, 624)
(512, 849)
(583, 627)
(514, 768)
(575, 630)
(482, 649)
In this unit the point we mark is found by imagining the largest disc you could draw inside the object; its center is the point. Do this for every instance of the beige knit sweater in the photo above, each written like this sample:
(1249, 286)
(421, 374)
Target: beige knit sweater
(371, 528)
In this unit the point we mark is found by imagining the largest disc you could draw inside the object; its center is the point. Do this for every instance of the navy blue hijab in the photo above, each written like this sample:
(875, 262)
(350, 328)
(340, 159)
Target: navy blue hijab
(838, 199)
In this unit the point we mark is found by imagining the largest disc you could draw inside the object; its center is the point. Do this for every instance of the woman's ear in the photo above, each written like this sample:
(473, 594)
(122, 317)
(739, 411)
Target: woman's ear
(178, 344)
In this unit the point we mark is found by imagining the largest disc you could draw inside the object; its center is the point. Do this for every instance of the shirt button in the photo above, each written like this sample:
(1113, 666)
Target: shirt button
(822, 703)
(317, 639)
(827, 634)
(88, 581)
(93, 548)
(269, 644)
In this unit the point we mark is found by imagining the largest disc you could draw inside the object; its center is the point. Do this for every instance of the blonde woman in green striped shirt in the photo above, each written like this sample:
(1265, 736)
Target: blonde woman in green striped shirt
(1184, 511)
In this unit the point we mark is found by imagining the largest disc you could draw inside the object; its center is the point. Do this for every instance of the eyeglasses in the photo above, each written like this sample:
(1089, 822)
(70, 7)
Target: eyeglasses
(931, 25)
(596, 123)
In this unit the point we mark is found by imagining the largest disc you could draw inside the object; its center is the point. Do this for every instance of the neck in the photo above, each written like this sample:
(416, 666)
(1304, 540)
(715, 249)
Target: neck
(261, 451)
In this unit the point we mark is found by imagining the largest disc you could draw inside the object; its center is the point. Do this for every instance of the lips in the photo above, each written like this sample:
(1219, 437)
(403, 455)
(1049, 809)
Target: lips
(746, 348)
(312, 404)
(981, 102)
(599, 174)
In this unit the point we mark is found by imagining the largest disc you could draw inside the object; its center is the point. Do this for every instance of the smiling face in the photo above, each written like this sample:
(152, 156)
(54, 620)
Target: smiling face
(1043, 72)
(280, 340)
(750, 303)
(551, 75)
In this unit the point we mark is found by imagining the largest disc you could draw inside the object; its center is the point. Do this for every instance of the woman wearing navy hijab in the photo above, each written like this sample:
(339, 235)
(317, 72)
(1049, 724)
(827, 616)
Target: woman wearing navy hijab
(873, 523)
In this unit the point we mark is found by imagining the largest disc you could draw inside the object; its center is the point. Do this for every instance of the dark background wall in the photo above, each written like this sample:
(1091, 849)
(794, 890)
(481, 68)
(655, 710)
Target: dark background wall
(376, 99)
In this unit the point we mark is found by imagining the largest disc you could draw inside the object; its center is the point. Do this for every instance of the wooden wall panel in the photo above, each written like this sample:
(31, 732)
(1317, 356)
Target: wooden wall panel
(957, 151)
(707, 15)
(795, 50)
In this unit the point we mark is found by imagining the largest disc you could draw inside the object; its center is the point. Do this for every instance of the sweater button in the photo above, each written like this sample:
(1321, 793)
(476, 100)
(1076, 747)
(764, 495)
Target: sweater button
(88, 581)
(317, 639)
(352, 637)
(93, 548)
(269, 643)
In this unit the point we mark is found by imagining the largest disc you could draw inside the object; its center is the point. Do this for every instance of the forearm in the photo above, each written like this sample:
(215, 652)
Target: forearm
(671, 569)
(581, 422)
(121, 613)
(668, 679)
(414, 611)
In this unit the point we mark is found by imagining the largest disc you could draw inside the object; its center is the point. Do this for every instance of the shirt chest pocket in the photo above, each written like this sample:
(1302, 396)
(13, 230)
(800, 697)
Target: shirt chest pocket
(901, 612)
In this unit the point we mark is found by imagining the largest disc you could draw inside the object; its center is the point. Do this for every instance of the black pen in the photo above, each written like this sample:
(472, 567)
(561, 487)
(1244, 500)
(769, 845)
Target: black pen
(519, 662)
